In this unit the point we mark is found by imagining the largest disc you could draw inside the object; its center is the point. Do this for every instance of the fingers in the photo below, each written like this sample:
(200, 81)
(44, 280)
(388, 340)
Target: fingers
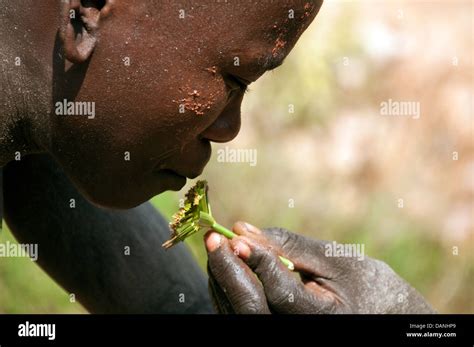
(218, 297)
(232, 280)
(285, 292)
(243, 228)
(308, 255)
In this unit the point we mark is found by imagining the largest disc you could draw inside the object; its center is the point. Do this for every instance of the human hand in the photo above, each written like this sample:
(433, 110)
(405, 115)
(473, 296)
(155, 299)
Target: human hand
(319, 284)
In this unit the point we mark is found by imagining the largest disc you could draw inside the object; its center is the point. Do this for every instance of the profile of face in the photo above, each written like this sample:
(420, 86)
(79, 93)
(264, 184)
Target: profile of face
(165, 80)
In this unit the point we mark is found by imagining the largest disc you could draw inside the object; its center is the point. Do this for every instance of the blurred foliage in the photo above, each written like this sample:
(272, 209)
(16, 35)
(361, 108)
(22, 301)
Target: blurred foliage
(25, 288)
(335, 169)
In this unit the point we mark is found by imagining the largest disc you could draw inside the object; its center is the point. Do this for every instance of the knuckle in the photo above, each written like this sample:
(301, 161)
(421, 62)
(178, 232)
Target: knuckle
(248, 303)
(280, 297)
(267, 263)
(276, 234)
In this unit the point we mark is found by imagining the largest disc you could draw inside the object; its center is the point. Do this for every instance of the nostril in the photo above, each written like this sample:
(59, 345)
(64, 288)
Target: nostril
(222, 130)
(227, 125)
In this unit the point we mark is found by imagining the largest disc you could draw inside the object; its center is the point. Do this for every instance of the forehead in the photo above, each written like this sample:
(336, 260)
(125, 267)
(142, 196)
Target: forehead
(263, 30)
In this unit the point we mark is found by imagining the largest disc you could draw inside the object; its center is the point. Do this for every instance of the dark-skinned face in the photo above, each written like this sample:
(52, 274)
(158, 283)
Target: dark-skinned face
(164, 87)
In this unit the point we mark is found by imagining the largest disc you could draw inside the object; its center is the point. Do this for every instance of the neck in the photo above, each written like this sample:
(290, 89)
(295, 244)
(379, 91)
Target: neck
(24, 99)
(23, 109)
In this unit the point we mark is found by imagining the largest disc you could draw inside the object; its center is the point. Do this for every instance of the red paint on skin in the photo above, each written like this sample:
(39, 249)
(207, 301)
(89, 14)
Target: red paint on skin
(280, 42)
(212, 70)
(192, 103)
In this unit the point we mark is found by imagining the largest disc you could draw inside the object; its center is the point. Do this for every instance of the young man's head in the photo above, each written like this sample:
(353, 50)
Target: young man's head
(139, 89)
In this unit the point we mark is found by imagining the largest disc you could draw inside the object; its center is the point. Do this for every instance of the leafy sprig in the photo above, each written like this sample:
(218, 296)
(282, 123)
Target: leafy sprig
(196, 215)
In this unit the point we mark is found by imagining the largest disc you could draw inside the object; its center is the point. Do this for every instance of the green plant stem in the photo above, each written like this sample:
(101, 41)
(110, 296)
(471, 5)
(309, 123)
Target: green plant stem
(223, 230)
(287, 262)
(230, 235)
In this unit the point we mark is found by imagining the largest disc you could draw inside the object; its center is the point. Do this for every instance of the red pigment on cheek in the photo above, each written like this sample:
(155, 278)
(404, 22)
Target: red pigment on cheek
(193, 103)
(212, 70)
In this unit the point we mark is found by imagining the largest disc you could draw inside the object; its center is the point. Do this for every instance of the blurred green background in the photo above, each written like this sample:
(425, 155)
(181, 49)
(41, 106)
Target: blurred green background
(335, 168)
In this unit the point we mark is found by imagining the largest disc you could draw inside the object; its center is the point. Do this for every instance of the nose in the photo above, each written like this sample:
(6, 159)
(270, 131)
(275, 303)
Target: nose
(227, 125)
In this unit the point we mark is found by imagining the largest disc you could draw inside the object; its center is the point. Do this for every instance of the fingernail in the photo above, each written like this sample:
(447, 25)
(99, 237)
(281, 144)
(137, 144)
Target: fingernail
(213, 241)
(252, 229)
(242, 228)
(241, 249)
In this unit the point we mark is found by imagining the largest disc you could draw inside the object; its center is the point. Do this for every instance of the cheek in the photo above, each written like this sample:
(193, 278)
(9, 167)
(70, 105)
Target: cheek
(198, 100)
(152, 122)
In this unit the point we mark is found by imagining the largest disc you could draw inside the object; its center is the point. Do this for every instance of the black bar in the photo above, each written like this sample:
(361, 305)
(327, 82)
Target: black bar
(88, 330)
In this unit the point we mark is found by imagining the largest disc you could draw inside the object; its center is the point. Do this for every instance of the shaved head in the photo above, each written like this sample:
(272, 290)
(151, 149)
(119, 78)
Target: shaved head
(164, 80)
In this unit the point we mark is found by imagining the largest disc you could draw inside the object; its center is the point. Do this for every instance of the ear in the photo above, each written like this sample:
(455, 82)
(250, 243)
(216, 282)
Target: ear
(79, 27)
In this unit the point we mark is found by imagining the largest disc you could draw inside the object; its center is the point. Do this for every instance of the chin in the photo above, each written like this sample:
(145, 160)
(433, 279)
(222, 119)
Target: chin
(115, 202)
(119, 199)
(125, 192)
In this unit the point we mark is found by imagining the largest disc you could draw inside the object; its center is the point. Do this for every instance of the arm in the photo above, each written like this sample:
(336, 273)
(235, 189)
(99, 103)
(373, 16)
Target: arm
(84, 248)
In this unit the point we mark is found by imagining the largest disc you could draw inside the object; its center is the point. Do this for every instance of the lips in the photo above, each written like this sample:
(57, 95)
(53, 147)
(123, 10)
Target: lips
(193, 175)
(169, 172)
(190, 166)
